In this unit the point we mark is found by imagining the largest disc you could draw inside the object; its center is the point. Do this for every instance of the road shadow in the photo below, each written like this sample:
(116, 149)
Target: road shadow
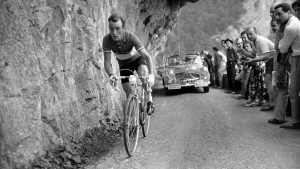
(160, 91)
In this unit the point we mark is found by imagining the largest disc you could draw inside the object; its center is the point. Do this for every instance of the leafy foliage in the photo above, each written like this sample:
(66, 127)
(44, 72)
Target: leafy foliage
(95, 143)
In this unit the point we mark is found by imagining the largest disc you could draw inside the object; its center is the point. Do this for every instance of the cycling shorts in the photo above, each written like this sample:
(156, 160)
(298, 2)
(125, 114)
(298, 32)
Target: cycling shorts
(133, 66)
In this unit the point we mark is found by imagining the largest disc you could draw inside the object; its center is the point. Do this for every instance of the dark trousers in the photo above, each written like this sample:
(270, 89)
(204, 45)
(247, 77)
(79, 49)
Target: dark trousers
(294, 88)
(230, 67)
(217, 74)
(211, 75)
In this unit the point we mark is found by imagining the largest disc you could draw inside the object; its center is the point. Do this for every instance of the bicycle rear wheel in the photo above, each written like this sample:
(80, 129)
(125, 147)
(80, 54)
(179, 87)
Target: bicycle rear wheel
(131, 125)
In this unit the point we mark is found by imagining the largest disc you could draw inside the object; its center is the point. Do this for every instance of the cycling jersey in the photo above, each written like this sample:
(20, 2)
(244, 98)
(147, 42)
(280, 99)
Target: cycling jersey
(126, 50)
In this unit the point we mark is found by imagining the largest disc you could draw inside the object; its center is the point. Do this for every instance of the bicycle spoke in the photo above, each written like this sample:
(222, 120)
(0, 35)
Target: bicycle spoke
(131, 130)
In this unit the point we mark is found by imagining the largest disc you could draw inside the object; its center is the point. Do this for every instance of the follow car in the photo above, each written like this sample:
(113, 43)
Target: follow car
(185, 71)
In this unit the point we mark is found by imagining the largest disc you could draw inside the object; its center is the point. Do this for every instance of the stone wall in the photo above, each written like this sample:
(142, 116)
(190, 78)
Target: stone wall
(53, 86)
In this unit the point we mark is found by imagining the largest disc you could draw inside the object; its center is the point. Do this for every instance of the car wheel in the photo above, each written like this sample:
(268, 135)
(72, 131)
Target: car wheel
(163, 82)
(206, 89)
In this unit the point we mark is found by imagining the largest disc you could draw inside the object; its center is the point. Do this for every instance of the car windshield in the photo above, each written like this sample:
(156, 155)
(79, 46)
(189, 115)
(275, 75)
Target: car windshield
(190, 59)
(175, 60)
(187, 59)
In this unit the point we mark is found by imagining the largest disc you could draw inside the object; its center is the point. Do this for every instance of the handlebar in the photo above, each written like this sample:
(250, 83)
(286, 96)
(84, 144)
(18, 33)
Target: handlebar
(132, 80)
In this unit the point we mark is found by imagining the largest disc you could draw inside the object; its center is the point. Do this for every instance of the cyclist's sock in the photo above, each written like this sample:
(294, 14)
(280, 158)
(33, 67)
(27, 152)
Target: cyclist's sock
(150, 104)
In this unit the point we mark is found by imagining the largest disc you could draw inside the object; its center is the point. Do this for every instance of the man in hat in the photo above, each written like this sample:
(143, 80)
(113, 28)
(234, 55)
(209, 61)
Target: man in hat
(232, 59)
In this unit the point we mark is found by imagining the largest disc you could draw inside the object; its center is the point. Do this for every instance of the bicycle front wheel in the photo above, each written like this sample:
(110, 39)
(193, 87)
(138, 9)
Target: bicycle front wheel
(146, 123)
(131, 125)
(144, 117)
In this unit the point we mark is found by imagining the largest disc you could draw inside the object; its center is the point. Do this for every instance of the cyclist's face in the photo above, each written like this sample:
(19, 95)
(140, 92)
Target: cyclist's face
(116, 29)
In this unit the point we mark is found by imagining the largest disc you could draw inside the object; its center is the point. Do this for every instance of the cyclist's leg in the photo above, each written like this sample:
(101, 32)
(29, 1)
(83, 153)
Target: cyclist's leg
(125, 82)
(126, 88)
(143, 71)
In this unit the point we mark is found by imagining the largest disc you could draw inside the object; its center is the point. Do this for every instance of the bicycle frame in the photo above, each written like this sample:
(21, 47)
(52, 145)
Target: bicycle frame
(135, 114)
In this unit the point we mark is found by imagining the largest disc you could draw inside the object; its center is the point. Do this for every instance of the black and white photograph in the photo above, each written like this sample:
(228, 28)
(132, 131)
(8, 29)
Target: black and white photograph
(149, 84)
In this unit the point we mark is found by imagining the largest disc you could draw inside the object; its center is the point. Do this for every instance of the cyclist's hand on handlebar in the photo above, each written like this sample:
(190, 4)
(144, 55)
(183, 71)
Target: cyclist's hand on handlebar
(113, 80)
(151, 79)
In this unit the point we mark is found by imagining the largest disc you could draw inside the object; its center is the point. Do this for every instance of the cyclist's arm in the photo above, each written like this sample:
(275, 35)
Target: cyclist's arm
(148, 58)
(107, 55)
(107, 63)
(142, 51)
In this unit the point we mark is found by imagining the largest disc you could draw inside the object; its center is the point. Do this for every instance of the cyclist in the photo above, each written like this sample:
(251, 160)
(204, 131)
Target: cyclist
(129, 52)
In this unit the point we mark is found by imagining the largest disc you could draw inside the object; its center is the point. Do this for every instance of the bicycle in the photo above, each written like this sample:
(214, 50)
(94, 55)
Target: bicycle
(137, 112)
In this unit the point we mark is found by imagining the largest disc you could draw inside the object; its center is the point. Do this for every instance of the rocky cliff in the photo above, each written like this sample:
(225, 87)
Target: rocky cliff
(53, 86)
(257, 14)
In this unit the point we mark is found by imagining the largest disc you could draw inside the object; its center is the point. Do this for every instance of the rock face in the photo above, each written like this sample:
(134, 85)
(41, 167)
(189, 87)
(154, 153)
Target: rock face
(257, 15)
(53, 85)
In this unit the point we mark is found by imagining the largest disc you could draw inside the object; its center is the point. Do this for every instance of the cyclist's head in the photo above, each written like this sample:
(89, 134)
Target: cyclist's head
(116, 25)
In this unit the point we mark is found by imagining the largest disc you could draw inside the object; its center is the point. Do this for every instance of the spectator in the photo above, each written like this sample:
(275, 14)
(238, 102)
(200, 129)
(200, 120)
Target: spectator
(219, 57)
(246, 69)
(274, 25)
(279, 76)
(264, 45)
(296, 7)
(239, 67)
(224, 47)
(245, 38)
(208, 60)
(291, 40)
(232, 59)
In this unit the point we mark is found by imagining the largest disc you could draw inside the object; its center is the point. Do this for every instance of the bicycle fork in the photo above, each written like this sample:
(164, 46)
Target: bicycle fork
(150, 106)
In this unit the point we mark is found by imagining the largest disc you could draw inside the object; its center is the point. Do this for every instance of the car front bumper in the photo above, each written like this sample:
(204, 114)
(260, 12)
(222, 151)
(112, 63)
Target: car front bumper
(187, 83)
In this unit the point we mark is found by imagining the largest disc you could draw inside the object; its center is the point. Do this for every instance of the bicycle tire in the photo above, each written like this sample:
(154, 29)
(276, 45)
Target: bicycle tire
(145, 118)
(146, 125)
(131, 125)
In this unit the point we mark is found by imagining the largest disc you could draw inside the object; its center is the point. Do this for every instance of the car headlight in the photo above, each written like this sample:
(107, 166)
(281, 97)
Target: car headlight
(170, 74)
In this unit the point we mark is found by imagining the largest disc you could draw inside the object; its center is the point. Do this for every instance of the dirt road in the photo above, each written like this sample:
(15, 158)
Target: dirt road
(210, 131)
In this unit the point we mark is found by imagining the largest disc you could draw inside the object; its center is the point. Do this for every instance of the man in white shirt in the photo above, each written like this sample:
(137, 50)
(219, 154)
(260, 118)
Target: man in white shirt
(263, 45)
(280, 75)
(291, 42)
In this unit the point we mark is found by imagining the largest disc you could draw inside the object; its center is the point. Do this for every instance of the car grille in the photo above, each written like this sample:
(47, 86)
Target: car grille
(184, 75)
